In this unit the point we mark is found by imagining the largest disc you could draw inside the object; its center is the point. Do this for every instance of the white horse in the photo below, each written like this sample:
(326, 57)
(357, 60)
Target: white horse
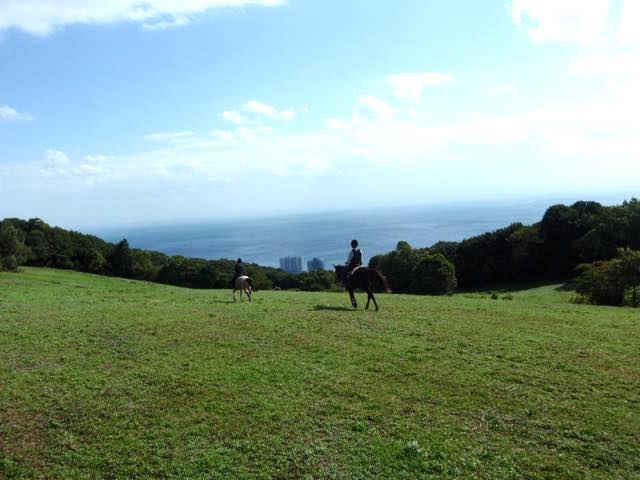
(244, 284)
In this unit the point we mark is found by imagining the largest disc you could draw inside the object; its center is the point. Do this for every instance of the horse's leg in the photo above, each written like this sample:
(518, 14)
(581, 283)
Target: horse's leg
(354, 302)
(234, 295)
(369, 296)
(248, 292)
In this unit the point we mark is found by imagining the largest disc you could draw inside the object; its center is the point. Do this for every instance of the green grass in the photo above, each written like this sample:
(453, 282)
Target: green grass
(109, 378)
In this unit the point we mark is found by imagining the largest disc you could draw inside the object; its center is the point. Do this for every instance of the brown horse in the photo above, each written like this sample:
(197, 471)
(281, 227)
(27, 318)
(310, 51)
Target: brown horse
(364, 278)
(244, 284)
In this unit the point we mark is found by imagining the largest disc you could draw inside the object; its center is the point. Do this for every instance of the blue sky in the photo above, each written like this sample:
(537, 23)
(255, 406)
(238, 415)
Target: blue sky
(122, 111)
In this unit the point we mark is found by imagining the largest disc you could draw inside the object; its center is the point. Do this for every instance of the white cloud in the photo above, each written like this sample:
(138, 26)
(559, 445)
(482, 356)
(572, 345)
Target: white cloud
(250, 135)
(626, 64)
(622, 75)
(578, 136)
(172, 137)
(55, 158)
(266, 110)
(221, 157)
(58, 169)
(580, 21)
(223, 135)
(409, 86)
(179, 21)
(254, 111)
(629, 32)
(372, 107)
(41, 17)
(99, 158)
(259, 108)
(234, 117)
(581, 135)
(568, 144)
(337, 124)
(10, 114)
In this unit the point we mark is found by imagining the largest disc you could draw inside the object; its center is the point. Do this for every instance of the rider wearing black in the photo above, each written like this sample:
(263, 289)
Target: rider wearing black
(354, 260)
(239, 271)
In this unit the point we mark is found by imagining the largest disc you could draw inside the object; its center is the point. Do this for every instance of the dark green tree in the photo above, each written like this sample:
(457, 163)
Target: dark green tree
(317, 280)
(627, 266)
(13, 251)
(599, 283)
(94, 262)
(121, 260)
(526, 261)
(260, 279)
(39, 246)
(398, 266)
(434, 275)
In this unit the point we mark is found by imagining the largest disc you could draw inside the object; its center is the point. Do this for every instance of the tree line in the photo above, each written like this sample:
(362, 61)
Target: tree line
(550, 250)
(35, 243)
(583, 240)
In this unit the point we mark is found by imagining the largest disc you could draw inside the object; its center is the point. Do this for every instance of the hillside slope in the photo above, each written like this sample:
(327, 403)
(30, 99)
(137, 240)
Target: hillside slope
(110, 378)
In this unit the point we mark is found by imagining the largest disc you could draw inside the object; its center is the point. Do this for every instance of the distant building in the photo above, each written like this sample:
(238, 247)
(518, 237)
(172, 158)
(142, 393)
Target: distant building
(291, 264)
(315, 264)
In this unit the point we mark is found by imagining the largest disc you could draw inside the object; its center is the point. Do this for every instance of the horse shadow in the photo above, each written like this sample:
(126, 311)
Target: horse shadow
(328, 308)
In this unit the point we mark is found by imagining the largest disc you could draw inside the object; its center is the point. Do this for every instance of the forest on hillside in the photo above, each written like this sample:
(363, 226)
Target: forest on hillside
(549, 250)
(35, 243)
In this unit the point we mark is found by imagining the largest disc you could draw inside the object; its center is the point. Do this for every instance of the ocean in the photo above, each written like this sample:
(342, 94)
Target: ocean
(325, 235)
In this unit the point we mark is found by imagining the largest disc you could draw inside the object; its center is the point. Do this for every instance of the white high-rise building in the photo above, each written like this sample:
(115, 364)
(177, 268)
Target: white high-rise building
(291, 264)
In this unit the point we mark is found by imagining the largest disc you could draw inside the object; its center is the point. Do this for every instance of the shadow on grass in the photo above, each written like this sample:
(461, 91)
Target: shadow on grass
(224, 301)
(328, 308)
(518, 286)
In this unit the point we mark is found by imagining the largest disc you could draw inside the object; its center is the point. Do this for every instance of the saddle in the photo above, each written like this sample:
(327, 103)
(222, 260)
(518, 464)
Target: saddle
(348, 274)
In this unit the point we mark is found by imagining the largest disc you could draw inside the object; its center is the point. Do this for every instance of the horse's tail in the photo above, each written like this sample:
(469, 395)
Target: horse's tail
(383, 281)
(250, 283)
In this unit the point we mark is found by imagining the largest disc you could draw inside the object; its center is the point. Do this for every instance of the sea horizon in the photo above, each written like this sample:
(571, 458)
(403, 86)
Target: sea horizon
(326, 235)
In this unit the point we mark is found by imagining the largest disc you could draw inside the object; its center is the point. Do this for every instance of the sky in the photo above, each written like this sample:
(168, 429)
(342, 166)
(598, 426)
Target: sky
(126, 111)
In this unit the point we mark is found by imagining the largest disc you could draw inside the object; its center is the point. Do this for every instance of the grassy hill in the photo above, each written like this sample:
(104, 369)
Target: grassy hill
(110, 378)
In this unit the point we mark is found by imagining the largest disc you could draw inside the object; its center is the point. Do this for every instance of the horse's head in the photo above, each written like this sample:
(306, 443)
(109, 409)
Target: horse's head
(339, 270)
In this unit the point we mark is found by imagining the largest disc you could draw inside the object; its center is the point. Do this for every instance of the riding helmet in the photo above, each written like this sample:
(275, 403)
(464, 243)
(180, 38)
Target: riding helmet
(354, 243)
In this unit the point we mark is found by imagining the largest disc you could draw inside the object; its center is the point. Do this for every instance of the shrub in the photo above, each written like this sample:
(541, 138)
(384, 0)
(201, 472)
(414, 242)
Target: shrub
(627, 267)
(317, 280)
(597, 282)
(8, 262)
(434, 275)
(606, 282)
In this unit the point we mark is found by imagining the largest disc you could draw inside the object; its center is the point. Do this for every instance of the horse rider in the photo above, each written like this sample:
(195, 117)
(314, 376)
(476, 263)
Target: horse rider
(239, 272)
(353, 261)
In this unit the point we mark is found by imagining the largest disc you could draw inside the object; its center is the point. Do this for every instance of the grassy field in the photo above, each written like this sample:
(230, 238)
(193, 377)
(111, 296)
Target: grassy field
(110, 378)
